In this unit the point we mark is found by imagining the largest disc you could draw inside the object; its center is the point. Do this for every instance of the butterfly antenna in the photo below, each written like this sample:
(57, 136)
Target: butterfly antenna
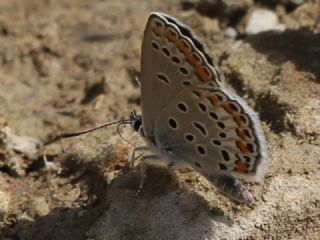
(122, 137)
(75, 134)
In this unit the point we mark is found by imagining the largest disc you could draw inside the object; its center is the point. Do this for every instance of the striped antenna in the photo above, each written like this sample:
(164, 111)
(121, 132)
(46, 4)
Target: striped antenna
(75, 134)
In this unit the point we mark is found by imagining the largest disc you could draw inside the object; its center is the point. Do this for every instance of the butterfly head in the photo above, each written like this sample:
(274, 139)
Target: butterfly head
(136, 121)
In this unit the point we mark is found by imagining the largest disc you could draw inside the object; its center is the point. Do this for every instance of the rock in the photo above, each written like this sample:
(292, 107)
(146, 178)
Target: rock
(218, 8)
(262, 20)
(5, 195)
(17, 151)
(230, 32)
(22, 144)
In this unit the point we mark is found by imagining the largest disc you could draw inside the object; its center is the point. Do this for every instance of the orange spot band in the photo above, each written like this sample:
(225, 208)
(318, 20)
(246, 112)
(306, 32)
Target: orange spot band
(241, 134)
(238, 120)
(157, 30)
(241, 166)
(214, 100)
(228, 108)
(183, 46)
(243, 147)
(198, 93)
(194, 59)
(171, 36)
(203, 74)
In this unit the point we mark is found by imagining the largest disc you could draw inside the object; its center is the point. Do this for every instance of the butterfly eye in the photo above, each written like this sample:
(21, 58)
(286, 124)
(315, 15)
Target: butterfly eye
(137, 124)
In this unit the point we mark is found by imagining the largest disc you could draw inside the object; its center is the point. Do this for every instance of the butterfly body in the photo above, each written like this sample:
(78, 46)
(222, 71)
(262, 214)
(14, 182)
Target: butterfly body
(187, 113)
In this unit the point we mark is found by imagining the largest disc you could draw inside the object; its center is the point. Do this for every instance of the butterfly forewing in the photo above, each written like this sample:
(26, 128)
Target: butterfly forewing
(171, 59)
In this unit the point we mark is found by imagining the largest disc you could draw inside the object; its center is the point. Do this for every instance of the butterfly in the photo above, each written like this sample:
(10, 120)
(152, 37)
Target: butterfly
(189, 116)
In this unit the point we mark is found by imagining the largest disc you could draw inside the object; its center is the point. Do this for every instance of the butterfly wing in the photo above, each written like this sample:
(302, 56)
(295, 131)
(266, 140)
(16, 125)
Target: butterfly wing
(186, 110)
(171, 58)
(214, 131)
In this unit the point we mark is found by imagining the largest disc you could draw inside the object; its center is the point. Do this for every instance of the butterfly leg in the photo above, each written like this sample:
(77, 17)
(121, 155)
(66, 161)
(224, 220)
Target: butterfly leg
(134, 152)
(143, 171)
(231, 187)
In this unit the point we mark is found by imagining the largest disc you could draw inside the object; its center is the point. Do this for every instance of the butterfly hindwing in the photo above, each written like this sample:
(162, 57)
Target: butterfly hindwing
(213, 132)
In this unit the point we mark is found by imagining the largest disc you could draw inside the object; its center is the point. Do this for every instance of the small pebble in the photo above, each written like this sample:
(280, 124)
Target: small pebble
(262, 20)
(53, 150)
(22, 144)
(230, 32)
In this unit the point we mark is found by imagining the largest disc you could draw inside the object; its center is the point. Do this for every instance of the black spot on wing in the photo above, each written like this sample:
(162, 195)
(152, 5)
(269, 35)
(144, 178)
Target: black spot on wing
(222, 166)
(197, 164)
(201, 150)
(200, 127)
(182, 107)
(225, 155)
(173, 123)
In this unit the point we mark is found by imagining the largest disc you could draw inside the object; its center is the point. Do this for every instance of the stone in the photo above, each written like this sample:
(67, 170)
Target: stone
(262, 20)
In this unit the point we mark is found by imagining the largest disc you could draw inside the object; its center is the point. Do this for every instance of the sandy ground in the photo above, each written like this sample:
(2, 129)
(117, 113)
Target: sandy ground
(71, 65)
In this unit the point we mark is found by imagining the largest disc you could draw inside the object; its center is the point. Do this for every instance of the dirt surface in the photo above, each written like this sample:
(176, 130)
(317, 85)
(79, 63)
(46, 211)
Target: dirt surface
(71, 65)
